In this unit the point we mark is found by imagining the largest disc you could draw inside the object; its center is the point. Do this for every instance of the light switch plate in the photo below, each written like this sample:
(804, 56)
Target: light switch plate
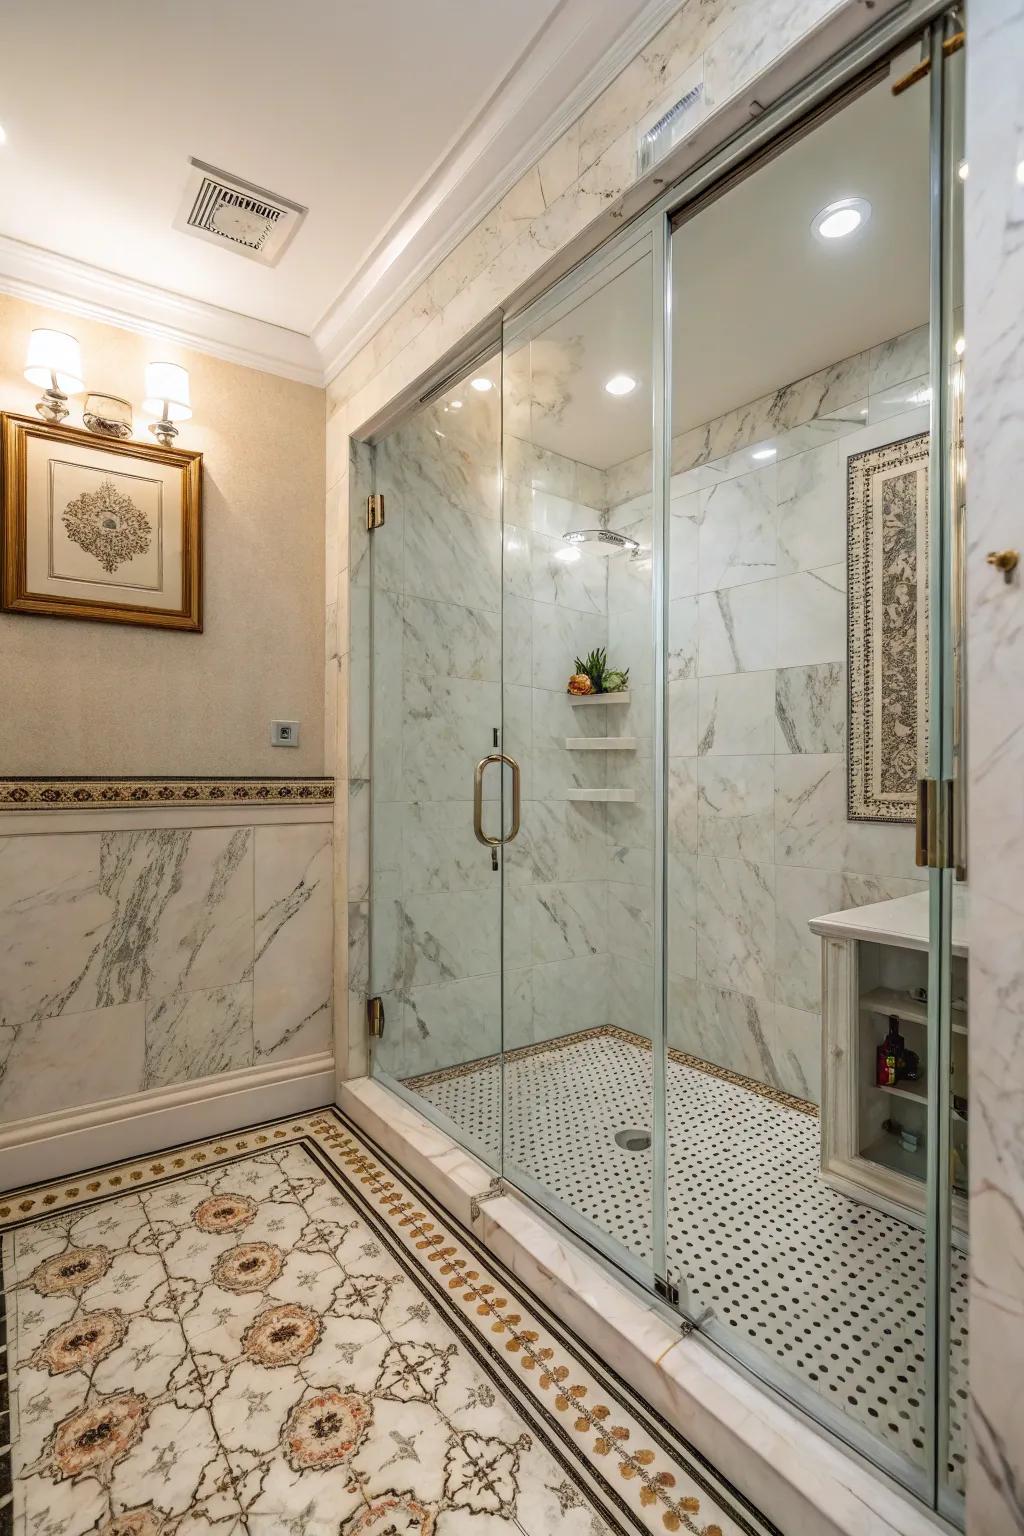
(284, 733)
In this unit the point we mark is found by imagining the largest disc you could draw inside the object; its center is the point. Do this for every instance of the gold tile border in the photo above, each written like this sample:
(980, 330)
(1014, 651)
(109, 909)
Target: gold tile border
(627, 1037)
(86, 794)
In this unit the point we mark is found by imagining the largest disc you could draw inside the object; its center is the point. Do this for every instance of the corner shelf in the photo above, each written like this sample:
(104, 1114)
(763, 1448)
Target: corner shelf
(599, 698)
(601, 743)
(618, 796)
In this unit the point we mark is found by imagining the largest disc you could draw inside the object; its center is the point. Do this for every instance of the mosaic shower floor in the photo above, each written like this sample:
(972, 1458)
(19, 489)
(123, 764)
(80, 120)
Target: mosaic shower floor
(274, 1333)
(831, 1290)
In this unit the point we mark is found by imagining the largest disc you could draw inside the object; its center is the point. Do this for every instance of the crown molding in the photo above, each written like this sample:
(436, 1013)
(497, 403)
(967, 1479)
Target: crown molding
(523, 119)
(59, 282)
(527, 115)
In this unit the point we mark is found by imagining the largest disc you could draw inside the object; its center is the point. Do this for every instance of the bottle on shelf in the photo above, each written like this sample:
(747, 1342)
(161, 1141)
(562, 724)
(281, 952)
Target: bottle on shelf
(888, 1055)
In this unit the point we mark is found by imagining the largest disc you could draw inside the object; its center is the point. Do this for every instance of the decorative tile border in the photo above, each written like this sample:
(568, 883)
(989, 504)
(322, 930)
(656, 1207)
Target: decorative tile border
(613, 1032)
(635, 1470)
(62, 794)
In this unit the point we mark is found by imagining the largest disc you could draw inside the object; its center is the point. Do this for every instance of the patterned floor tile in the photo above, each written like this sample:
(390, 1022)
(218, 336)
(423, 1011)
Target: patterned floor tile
(291, 1338)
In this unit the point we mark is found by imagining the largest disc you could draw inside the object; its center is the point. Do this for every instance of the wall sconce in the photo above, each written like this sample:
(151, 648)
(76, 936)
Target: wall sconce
(167, 396)
(54, 361)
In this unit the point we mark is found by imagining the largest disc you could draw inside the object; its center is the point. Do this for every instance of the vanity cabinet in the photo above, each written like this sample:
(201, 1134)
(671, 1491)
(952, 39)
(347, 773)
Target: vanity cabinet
(874, 965)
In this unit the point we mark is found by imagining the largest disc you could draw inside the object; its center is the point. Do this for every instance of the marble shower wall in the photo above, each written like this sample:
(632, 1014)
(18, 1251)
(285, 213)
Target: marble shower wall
(758, 837)
(580, 179)
(132, 960)
(442, 581)
(995, 660)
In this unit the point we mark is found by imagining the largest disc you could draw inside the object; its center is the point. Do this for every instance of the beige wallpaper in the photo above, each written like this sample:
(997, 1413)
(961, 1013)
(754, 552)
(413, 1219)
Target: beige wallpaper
(88, 698)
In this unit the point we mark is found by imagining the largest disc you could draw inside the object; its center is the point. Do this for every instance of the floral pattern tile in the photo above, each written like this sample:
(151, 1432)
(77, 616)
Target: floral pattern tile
(276, 1335)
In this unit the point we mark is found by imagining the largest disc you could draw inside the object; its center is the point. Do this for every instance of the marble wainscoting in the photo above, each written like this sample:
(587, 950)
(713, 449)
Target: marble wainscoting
(131, 960)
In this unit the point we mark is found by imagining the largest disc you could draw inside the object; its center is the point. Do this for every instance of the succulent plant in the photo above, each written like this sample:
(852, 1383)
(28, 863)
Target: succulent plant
(593, 667)
(615, 682)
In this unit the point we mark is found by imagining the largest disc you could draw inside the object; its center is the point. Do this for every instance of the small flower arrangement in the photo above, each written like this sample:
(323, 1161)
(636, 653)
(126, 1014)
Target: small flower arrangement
(593, 675)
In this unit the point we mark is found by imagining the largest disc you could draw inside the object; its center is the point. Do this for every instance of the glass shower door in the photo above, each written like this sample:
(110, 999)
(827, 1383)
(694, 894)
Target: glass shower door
(435, 620)
(582, 716)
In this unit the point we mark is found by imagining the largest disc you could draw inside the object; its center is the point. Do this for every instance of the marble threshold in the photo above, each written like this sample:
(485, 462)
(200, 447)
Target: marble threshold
(801, 1480)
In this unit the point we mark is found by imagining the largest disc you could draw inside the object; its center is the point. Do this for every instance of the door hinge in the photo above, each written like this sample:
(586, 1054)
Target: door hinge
(935, 822)
(374, 1017)
(667, 1289)
(374, 512)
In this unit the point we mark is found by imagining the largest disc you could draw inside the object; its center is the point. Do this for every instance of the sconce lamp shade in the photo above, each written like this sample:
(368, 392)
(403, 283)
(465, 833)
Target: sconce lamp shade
(53, 353)
(167, 386)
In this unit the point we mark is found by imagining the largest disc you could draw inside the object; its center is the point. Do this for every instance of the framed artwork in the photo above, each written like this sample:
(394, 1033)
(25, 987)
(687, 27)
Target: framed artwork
(887, 558)
(99, 529)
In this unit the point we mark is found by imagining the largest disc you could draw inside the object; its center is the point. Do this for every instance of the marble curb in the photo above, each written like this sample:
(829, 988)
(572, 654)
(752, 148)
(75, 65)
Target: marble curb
(781, 1463)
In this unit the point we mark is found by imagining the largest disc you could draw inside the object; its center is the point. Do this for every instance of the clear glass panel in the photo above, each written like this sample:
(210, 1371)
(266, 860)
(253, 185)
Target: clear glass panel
(436, 709)
(797, 1197)
(580, 927)
(952, 1299)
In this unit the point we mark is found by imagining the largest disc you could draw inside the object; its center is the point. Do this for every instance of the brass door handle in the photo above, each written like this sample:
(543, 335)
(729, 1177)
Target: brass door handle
(478, 799)
(1005, 560)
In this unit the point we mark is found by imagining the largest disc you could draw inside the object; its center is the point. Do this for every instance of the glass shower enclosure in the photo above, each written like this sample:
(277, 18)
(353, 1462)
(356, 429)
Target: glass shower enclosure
(664, 675)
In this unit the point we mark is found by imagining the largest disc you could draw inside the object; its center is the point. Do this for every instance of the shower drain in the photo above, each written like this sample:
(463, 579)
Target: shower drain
(633, 1141)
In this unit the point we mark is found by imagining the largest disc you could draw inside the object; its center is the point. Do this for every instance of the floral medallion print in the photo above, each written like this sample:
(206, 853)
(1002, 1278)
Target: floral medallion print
(398, 1514)
(92, 1440)
(107, 524)
(249, 1267)
(82, 1343)
(225, 1213)
(282, 1335)
(325, 1429)
(70, 1272)
(360, 1370)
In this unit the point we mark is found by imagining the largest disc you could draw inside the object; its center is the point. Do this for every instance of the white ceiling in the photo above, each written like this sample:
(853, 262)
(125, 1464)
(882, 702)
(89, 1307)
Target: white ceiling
(758, 301)
(386, 118)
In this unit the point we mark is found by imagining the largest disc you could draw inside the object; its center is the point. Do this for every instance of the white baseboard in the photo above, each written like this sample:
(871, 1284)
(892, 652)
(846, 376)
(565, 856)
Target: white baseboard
(49, 1146)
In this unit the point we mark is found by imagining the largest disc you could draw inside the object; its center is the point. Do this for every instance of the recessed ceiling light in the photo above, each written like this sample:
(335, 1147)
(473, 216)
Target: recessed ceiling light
(764, 453)
(456, 405)
(841, 219)
(481, 385)
(620, 384)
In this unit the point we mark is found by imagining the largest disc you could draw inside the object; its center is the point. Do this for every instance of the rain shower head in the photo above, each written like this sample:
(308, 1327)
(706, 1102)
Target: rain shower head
(601, 536)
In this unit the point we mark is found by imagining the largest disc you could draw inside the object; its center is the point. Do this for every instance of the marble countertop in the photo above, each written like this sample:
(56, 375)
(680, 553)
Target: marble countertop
(902, 922)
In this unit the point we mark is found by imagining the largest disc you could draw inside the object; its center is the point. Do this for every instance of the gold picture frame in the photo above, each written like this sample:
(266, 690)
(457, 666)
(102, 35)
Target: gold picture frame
(99, 529)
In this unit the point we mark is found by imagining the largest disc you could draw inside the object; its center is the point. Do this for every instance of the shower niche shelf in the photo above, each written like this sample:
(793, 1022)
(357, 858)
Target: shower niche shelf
(609, 796)
(601, 743)
(583, 699)
(874, 965)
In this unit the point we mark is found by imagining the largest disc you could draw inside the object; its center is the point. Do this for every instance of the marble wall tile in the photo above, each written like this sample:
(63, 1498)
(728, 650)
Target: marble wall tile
(736, 538)
(447, 640)
(736, 808)
(567, 919)
(684, 543)
(559, 636)
(630, 926)
(903, 357)
(198, 1034)
(736, 1030)
(810, 708)
(682, 725)
(439, 851)
(570, 994)
(53, 915)
(812, 510)
(812, 617)
(682, 638)
(292, 967)
(796, 1052)
(449, 1023)
(630, 995)
(446, 937)
(801, 894)
(736, 937)
(811, 828)
(447, 724)
(71, 1061)
(737, 714)
(737, 628)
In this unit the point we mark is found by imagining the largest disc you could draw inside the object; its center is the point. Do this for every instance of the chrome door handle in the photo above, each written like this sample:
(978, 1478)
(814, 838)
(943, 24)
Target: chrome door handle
(478, 799)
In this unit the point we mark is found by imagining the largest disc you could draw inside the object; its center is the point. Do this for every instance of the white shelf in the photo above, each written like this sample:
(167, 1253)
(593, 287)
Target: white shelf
(888, 1152)
(886, 1000)
(599, 698)
(619, 796)
(601, 743)
(915, 1091)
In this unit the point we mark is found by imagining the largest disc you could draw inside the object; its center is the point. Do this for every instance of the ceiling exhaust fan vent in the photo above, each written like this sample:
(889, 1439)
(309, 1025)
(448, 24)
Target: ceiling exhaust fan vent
(231, 212)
